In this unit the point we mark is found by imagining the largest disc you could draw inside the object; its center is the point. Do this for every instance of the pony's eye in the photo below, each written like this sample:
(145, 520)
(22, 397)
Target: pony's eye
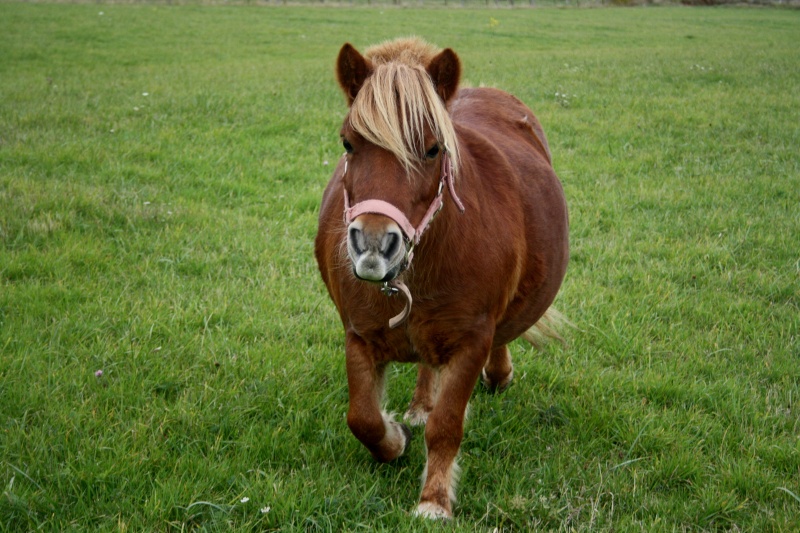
(347, 146)
(433, 152)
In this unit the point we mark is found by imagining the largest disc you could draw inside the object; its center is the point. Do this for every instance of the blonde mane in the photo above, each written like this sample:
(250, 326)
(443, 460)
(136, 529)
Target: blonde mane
(398, 101)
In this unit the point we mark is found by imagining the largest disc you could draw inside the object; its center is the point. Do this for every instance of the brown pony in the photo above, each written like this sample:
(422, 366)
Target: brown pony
(490, 262)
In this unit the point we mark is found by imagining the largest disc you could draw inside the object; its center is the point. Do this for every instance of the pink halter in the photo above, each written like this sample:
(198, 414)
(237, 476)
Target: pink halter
(412, 234)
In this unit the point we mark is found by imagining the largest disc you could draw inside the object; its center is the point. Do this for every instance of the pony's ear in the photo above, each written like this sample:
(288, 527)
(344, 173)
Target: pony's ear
(351, 71)
(445, 71)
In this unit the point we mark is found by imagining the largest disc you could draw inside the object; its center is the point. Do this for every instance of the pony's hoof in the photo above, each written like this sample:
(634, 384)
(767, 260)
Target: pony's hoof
(407, 433)
(496, 386)
(432, 511)
(394, 444)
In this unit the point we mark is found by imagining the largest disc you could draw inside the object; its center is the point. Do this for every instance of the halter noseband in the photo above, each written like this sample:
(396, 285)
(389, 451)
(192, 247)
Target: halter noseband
(412, 234)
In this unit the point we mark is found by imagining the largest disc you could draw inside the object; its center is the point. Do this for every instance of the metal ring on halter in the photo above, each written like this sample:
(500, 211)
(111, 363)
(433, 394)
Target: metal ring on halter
(388, 290)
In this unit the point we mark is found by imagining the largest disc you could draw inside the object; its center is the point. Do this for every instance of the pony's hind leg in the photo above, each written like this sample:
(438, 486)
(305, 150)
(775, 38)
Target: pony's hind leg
(499, 371)
(384, 438)
(424, 396)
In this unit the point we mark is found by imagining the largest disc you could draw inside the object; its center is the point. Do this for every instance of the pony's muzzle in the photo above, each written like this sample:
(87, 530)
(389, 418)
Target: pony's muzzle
(376, 248)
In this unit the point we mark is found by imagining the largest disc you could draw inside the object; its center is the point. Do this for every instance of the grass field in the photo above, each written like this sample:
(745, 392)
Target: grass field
(169, 359)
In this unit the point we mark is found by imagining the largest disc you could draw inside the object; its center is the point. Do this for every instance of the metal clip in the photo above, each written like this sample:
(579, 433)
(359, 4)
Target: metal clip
(388, 290)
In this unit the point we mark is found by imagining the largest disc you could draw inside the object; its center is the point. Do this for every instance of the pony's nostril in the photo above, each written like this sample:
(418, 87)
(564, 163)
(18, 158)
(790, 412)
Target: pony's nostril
(357, 240)
(391, 244)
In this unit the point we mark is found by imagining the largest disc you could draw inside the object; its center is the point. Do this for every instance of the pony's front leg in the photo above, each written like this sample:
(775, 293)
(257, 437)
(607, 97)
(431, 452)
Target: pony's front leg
(445, 429)
(376, 430)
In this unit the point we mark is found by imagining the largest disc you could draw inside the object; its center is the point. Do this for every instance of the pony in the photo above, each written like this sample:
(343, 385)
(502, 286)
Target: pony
(443, 236)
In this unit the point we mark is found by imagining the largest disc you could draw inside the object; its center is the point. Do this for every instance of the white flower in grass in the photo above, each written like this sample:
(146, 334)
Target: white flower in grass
(245, 499)
(265, 510)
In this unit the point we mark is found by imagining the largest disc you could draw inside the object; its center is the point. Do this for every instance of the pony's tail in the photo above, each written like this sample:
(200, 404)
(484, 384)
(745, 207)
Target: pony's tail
(547, 328)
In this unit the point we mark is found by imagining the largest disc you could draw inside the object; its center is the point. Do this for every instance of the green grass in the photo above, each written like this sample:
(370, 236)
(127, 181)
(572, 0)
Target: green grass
(166, 239)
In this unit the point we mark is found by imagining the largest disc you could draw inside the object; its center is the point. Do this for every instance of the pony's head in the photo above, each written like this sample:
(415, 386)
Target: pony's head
(397, 136)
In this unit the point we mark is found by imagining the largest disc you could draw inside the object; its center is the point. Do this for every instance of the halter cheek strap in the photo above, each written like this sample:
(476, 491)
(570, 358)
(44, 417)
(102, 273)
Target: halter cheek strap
(412, 234)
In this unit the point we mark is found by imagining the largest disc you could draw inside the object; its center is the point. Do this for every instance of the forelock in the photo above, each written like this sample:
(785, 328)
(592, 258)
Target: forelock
(396, 104)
